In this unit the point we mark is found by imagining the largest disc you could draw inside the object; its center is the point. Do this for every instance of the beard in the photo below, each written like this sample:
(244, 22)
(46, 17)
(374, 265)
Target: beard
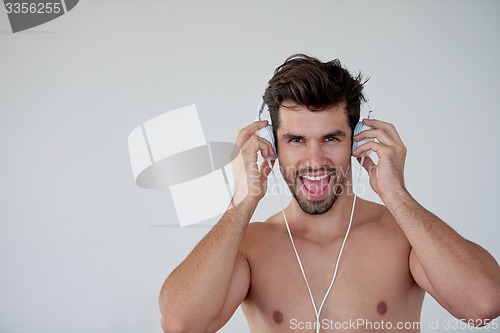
(316, 207)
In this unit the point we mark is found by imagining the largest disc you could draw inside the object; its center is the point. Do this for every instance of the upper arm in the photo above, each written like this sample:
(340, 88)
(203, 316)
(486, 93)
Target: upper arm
(238, 288)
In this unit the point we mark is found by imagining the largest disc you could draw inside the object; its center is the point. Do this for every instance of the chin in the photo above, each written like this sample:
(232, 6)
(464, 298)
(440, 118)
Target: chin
(315, 207)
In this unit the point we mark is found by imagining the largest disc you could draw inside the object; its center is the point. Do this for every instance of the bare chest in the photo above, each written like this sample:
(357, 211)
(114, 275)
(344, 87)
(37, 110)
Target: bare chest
(373, 285)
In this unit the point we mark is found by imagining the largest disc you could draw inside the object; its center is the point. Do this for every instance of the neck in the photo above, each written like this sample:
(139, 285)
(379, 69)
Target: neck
(321, 227)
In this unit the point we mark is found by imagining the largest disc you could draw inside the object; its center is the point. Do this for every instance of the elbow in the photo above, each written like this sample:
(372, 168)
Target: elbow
(485, 311)
(490, 310)
(171, 321)
(178, 317)
(490, 307)
(176, 320)
(171, 324)
(182, 324)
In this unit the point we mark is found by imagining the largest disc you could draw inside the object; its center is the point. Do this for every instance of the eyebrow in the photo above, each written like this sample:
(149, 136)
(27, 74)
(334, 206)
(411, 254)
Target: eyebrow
(336, 133)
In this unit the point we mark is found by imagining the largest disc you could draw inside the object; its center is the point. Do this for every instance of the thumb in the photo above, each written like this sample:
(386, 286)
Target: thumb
(266, 168)
(368, 165)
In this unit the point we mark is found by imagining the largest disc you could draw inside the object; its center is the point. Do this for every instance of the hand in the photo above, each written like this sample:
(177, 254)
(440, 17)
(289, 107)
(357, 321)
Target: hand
(388, 176)
(250, 181)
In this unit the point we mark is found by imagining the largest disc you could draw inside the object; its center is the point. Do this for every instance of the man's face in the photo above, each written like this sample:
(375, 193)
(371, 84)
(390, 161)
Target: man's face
(314, 154)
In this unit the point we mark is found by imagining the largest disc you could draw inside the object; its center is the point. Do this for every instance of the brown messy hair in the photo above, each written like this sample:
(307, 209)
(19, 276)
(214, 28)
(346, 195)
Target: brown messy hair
(317, 85)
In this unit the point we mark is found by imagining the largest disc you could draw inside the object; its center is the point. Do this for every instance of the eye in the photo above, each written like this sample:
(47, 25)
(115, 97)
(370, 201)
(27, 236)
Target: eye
(331, 138)
(295, 140)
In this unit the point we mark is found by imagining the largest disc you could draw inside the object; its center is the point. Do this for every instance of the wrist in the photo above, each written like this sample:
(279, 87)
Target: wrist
(395, 196)
(244, 200)
(242, 211)
(249, 193)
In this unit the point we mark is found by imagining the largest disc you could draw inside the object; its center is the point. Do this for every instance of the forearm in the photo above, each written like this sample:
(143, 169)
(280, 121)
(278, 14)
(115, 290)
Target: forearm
(202, 280)
(457, 269)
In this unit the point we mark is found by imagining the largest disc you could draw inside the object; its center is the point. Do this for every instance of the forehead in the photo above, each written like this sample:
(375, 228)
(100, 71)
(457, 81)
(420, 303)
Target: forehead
(299, 119)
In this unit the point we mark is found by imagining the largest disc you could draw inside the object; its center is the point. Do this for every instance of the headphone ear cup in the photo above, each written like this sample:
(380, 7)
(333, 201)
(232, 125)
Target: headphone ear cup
(358, 129)
(267, 133)
(271, 135)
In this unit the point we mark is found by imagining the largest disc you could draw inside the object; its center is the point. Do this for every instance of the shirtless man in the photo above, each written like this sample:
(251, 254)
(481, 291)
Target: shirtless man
(393, 255)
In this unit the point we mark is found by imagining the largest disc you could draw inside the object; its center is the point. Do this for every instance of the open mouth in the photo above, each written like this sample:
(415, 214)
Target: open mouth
(316, 187)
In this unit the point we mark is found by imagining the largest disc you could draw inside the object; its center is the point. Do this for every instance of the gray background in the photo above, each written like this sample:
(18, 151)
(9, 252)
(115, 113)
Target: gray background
(83, 249)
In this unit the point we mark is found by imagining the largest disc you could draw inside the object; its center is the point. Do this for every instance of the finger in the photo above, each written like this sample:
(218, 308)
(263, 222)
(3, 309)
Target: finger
(255, 144)
(269, 152)
(376, 133)
(246, 132)
(265, 169)
(371, 145)
(265, 147)
(369, 165)
(388, 127)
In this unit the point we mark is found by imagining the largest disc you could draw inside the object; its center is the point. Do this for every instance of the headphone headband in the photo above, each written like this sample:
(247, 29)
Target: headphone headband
(260, 109)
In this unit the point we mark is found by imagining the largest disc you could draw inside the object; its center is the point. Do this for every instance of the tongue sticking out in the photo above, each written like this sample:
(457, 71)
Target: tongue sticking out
(316, 186)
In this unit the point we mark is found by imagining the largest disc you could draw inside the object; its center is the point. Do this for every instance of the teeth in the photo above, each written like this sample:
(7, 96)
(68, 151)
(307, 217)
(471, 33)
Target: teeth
(315, 178)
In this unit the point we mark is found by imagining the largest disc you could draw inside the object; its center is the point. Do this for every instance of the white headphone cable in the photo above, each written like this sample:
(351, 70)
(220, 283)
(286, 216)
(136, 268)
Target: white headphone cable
(316, 311)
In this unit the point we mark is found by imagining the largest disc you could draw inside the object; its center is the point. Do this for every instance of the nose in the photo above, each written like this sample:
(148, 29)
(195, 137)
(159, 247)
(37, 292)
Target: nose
(315, 156)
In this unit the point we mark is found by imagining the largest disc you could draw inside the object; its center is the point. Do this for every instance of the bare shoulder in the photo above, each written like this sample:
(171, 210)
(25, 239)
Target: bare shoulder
(380, 242)
(377, 221)
(262, 234)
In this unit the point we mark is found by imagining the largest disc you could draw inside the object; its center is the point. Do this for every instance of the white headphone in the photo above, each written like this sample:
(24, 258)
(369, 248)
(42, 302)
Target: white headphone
(360, 127)
(266, 132)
